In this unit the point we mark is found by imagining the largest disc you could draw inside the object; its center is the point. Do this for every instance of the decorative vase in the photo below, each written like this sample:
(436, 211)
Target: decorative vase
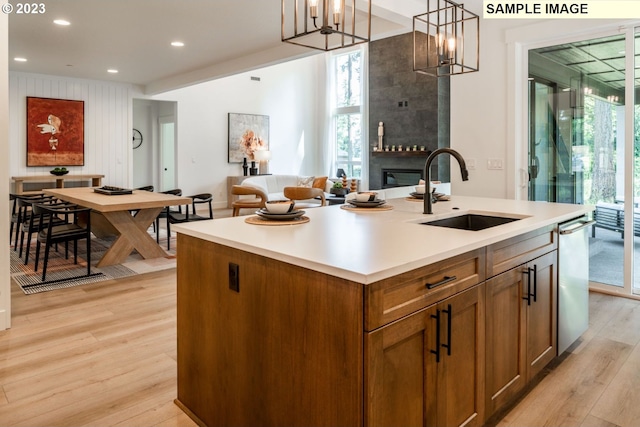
(245, 166)
(253, 170)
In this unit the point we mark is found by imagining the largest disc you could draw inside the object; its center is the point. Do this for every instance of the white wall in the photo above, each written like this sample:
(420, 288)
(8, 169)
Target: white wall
(5, 280)
(107, 123)
(488, 108)
(287, 93)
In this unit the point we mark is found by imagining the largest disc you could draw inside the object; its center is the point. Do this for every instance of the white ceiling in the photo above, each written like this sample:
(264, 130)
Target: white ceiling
(222, 37)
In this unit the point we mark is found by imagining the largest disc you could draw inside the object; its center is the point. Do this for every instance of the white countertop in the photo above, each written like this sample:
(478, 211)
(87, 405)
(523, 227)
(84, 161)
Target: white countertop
(369, 246)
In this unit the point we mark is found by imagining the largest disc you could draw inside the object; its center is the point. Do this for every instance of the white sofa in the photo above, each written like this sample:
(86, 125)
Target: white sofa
(273, 185)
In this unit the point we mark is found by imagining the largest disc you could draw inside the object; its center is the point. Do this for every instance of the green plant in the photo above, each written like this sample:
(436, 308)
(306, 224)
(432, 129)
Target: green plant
(337, 184)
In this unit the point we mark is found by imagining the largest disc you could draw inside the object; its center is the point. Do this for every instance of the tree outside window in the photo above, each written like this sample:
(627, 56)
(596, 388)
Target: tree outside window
(347, 115)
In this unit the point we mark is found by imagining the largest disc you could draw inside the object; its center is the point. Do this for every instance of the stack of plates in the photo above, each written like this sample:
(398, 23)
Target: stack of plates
(368, 204)
(263, 213)
(439, 196)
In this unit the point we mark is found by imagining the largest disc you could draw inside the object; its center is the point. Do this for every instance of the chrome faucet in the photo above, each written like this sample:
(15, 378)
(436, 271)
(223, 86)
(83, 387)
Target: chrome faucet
(428, 197)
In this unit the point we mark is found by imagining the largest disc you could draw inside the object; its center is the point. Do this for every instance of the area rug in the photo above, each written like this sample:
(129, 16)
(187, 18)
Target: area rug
(63, 273)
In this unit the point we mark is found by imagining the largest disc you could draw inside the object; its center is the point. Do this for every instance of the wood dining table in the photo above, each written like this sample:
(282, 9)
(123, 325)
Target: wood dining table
(112, 215)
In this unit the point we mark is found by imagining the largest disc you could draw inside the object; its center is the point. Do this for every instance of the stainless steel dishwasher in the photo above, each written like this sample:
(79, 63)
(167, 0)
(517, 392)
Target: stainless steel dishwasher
(573, 280)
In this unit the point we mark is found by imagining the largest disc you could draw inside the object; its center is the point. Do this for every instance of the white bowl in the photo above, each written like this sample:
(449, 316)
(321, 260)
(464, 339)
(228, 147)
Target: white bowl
(366, 196)
(279, 206)
(420, 189)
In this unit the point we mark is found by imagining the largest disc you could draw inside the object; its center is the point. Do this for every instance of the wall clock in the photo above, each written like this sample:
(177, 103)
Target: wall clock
(137, 138)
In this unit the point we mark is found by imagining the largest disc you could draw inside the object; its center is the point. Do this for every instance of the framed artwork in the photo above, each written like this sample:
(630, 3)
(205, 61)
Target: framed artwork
(247, 133)
(55, 132)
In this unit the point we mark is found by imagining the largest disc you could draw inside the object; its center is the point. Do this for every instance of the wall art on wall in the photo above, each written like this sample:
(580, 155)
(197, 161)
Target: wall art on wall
(55, 132)
(247, 134)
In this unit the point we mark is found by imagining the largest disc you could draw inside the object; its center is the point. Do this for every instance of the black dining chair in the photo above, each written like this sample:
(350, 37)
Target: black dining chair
(164, 215)
(180, 216)
(59, 224)
(149, 188)
(29, 223)
(17, 217)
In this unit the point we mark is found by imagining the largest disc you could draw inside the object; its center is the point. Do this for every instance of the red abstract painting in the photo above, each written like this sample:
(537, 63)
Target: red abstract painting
(55, 132)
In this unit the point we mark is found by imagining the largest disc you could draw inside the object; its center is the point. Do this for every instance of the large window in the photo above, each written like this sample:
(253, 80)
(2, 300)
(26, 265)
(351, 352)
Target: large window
(347, 112)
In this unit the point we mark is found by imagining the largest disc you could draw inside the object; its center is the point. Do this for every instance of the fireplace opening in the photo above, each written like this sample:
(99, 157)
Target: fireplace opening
(400, 177)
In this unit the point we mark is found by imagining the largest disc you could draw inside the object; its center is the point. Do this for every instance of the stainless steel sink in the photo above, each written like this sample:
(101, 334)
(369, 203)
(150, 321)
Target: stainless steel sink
(472, 222)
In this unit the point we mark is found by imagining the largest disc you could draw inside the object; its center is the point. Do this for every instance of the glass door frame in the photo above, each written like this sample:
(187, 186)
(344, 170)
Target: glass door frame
(519, 72)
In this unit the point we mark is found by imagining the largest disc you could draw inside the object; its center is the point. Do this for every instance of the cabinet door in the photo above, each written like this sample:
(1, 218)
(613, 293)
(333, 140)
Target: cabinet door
(541, 313)
(400, 377)
(506, 365)
(461, 373)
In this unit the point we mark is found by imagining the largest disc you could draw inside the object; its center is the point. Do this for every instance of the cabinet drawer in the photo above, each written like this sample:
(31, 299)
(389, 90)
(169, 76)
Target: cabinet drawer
(393, 298)
(510, 253)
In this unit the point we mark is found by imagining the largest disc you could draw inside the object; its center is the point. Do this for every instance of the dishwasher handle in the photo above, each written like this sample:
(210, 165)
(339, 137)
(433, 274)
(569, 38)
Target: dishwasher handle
(575, 229)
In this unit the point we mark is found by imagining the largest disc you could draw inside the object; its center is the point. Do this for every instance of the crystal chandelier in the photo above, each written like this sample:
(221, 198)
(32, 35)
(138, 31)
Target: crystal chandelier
(325, 24)
(446, 40)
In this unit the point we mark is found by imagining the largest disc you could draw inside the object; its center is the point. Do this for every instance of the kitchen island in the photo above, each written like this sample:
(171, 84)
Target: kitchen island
(366, 318)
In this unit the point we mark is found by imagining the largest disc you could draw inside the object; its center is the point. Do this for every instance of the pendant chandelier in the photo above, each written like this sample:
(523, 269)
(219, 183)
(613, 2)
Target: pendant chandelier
(325, 24)
(446, 40)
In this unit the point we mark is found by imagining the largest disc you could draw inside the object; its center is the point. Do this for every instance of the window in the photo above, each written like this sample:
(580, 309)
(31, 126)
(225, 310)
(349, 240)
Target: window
(347, 113)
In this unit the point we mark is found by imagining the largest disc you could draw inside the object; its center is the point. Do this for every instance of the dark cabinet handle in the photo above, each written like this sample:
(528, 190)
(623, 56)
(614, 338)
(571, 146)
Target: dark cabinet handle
(529, 294)
(446, 279)
(437, 350)
(448, 344)
(535, 282)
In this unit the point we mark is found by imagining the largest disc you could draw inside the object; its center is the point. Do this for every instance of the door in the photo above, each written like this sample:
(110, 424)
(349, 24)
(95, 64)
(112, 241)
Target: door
(400, 374)
(551, 173)
(461, 372)
(541, 285)
(167, 153)
(581, 143)
(506, 366)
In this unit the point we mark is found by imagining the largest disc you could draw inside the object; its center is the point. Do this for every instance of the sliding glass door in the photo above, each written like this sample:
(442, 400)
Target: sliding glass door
(581, 145)
(553, 175)
(634, 164)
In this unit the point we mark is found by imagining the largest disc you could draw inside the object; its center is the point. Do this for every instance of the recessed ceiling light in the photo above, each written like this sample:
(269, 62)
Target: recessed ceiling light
(177, 44)
(61, 22)
(112, 71)
(20, 59)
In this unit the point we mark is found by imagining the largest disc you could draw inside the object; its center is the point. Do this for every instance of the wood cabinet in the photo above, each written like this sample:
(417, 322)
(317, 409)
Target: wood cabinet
(427, 369)
(264, 342)
(521, 318)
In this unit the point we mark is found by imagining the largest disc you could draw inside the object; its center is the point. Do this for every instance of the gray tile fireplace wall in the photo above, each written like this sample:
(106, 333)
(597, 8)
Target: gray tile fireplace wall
(413, 107)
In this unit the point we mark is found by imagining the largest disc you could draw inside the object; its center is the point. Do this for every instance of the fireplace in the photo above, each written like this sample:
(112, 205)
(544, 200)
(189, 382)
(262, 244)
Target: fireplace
(400, 177)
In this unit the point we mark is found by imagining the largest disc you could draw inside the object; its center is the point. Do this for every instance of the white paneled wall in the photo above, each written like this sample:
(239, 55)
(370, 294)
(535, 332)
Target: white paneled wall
(107, 124)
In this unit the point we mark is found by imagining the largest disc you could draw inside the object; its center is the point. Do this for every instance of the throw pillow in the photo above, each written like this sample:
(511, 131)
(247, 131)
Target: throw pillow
(305, 181)
(320, 182)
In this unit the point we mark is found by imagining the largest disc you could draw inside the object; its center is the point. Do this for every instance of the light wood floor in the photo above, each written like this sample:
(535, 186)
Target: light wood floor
(105, 355)
(94, 355)
(598, 383)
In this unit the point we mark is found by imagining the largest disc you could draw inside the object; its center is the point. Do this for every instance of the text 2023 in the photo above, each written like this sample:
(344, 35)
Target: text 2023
(30, 8)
